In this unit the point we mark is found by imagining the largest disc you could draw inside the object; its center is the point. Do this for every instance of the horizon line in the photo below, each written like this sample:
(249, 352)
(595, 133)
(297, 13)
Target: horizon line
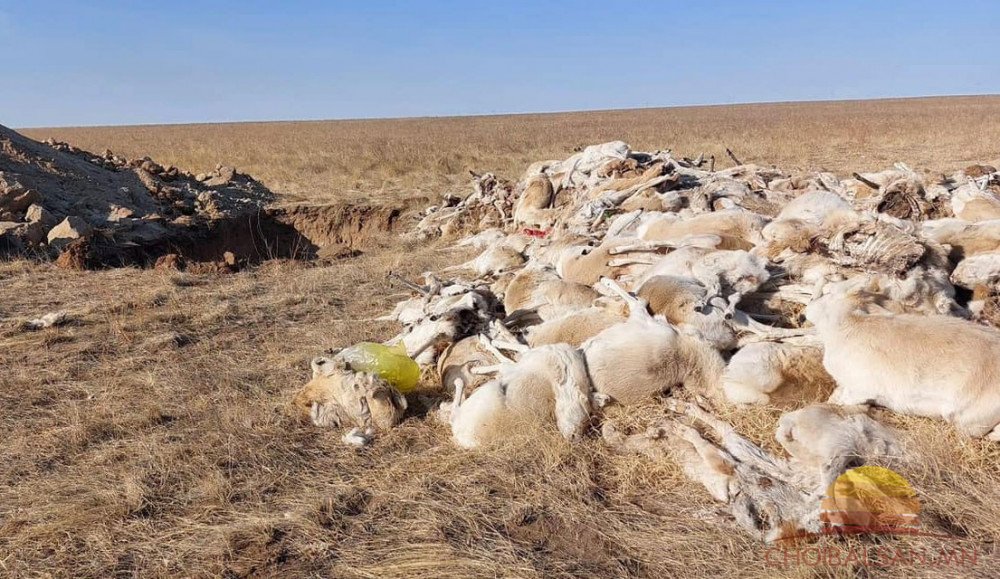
(511, 114)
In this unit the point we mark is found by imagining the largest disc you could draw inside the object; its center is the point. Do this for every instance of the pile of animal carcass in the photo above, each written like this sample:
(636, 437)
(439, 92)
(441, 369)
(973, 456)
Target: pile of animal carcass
(615, 276)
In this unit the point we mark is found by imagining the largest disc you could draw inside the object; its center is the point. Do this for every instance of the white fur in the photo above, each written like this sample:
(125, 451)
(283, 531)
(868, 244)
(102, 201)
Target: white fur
(934, 366)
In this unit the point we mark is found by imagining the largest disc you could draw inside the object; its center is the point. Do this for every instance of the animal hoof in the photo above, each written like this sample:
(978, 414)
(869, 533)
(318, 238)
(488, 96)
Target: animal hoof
(599, 399)
(355, 437)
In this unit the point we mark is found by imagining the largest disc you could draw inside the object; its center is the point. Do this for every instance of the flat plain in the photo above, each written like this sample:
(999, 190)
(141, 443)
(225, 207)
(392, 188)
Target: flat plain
(369, 158)
(151, 435)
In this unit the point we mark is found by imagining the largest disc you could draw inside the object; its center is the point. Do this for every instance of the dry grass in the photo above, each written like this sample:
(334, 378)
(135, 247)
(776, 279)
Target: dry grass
(335, 159)
(151, 436)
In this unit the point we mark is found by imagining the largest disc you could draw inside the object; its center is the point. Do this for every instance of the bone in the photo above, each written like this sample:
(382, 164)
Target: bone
(634, 304)
(635, 260)
(419, 289)
(642, 246)
(488, 344)
(709, 256)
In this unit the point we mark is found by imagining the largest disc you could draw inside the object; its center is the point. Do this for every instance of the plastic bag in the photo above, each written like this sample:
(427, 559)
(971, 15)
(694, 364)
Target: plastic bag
(390, 363)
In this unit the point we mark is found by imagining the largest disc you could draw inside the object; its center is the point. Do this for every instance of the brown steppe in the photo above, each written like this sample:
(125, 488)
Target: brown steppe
(150, 436)
(338, 159)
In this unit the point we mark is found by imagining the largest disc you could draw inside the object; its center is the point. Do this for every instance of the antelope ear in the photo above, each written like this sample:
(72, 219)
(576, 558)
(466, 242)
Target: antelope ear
(399, 399)
(323, 366)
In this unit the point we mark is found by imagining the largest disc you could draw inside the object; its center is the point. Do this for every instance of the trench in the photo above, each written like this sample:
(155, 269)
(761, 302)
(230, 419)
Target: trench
(296, 232)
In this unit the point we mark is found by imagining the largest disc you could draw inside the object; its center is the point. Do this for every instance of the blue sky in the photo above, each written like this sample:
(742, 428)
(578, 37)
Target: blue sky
(103, 62)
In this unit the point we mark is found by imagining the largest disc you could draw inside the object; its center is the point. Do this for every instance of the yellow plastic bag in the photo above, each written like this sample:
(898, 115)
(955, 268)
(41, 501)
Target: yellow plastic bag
(389, 363)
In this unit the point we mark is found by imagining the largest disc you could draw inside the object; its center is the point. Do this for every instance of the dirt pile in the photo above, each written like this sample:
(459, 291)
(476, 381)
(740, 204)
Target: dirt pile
(54, 194)
(220, 194)
(108, 210)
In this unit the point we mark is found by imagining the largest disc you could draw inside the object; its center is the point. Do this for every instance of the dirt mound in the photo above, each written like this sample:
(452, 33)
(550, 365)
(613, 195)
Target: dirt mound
(54, 194)
(107, 210)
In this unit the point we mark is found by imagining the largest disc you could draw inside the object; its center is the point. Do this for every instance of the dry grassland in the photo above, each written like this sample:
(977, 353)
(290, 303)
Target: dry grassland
(338, 159)
(151, 436)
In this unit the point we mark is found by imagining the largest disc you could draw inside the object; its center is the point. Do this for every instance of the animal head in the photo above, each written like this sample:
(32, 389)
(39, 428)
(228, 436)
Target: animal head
(839, 300)
(327, 375)
(832, 438)
(794, 234)
(549, 251)
(749, 271)
(338, 396)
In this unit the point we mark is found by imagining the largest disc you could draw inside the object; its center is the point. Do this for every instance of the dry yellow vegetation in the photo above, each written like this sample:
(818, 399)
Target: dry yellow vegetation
(150, 436)
(337, 159)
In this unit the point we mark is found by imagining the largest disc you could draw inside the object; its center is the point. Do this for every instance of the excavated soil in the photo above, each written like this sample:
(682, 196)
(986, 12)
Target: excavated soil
(335, 228)
(89, 211)
(294, 232)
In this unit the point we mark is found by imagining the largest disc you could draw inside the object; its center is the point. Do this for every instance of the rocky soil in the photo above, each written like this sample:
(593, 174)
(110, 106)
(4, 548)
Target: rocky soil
(88, 210)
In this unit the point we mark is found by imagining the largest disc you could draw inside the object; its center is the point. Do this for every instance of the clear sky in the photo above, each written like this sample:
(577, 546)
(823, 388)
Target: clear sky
(103, 62)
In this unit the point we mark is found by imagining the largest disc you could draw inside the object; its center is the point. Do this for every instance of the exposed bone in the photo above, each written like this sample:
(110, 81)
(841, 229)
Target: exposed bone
(744, 322)
(623, 223)
(633, 260)
(617, 198)
(766, 499)
(720, 245)
(867, 182)
(631, 301)
(417, 288)
(642, 246)
(488, 344)
(733, 157)
(512, 346)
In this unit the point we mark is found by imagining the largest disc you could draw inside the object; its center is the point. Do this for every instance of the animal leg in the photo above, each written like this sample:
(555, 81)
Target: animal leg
(843, 397)
(599, 399)
(642, 246)
(358, 437)
(738, 447)
(636, 306)
(633, 260)
(734, 299)
(498, 331)
(698, 413)
(455, 408)
(511, 346)
(498, 205)
(705, 240)
(743, 321)
(408, 284)
(652, 443)
(713, 467)
(622, 222)
(471, 264)
(492, 349)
